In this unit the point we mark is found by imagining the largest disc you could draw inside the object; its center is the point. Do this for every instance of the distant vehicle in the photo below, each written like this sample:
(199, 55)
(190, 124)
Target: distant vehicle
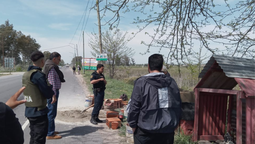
(67, 65)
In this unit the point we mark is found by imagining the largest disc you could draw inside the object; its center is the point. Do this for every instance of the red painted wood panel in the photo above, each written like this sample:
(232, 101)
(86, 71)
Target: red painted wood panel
(250, 120)
(211, 138)
(210, 113)
(210, 105)
(239, 118)
(230, 112)
(253, 120)
(195, 135)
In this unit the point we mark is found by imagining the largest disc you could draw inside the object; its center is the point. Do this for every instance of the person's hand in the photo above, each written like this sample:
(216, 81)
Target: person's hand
(133, 130)
(13, 102)
(54, 99)
(101, 79)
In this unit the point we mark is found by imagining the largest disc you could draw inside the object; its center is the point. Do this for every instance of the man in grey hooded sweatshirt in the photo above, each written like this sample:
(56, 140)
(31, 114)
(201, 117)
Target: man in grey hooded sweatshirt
(155, 106)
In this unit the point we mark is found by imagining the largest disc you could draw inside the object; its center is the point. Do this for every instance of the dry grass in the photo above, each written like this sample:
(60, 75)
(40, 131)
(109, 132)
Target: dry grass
(187, 81)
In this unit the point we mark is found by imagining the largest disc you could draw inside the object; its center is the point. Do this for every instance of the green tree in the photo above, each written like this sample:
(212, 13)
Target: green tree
(62, 63)
(114, 45)
(22, 45)
(46, 55)
(77, 61)
(27, 45)
(7, 39)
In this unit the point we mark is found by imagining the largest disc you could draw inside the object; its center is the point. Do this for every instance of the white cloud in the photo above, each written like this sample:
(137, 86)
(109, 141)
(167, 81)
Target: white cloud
(54, 7)
(60, 26)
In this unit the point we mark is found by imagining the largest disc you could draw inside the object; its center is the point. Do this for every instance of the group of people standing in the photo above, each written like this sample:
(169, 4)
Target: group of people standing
(154, 109)
(41, 94)
(78, 68)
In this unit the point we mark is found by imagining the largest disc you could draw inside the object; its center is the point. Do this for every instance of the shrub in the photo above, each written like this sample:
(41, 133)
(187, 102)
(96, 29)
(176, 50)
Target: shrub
(183, 139)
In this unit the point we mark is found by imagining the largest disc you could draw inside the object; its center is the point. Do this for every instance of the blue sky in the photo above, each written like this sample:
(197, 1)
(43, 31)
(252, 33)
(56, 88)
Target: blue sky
(54, 25)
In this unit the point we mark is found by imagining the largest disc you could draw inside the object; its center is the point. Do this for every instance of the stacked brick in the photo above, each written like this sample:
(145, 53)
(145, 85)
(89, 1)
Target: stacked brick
(112, 120)
(112, 117)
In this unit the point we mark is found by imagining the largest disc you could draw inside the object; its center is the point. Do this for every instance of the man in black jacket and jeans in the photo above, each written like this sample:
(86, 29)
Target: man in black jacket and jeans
(155, 106)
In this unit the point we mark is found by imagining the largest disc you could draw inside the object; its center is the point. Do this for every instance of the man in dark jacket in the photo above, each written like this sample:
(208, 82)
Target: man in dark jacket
(155, 106)
(37, 91)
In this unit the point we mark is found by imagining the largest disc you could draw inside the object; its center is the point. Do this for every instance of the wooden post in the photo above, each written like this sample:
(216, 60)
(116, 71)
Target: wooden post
(253, 120)
(250, 120)
(230, 107)
(99, 27)
(239, 118)
(195, 134)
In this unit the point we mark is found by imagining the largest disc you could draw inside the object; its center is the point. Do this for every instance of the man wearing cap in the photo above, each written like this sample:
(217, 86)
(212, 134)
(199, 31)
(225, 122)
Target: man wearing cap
(55, 77)
(37, 91)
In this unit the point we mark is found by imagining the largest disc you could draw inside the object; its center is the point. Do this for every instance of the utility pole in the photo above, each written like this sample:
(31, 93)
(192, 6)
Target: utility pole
(77, 54)
(83, 55)
(3, 48)
(99, 27)
(74, 56)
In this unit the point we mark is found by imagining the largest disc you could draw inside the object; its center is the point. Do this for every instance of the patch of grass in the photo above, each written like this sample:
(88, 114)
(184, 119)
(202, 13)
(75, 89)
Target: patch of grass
(4, 74)
(183, 139)
(122, 129)
(114, 88)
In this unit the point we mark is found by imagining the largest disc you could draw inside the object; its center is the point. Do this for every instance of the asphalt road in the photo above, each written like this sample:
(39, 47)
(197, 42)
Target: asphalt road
(72, 96)
(8, 86)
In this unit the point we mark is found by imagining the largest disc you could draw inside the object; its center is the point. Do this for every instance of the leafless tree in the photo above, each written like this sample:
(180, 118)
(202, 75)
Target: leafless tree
(179, 23)
(114, 45)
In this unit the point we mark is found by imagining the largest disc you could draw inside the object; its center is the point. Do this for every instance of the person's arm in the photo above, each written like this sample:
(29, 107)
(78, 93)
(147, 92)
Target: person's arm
(93, 79)
(96, 81)
(105, 82)
(44, 86)
(135, 105)
(13, 102)
(12, 127)
(52, 79)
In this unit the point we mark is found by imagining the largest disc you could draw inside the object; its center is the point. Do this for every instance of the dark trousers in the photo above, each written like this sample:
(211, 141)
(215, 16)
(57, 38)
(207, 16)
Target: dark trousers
(143, 137)
(98, 100)
(52, 113)
(38, 129)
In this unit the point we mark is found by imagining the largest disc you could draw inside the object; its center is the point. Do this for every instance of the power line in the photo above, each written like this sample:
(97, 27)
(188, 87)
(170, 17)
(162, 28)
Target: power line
(56, 47)
(82, 29)
(85, 11)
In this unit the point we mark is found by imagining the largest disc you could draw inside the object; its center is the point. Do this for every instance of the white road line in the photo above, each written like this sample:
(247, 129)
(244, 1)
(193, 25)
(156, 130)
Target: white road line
(25, 125)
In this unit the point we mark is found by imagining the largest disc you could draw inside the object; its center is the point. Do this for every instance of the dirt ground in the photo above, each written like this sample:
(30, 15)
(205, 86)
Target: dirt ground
(73, 115)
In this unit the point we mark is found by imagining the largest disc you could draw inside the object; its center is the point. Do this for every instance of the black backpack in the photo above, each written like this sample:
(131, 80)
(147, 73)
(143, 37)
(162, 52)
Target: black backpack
(124, 97)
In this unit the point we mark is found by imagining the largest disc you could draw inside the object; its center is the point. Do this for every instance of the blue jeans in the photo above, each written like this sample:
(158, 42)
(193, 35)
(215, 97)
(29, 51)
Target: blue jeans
(99, 99)
(52, 113)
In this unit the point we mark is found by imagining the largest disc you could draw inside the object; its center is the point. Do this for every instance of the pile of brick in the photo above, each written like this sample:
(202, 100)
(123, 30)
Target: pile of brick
(113, 103)
(112, 117)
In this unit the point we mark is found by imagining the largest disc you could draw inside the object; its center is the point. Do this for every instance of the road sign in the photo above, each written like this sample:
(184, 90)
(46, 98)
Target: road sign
(101, 57)
(90, 64)
(9, 62)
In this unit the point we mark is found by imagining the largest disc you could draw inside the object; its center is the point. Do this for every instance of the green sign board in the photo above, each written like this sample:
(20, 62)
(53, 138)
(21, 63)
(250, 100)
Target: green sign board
(101, 57)
(90, 67)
